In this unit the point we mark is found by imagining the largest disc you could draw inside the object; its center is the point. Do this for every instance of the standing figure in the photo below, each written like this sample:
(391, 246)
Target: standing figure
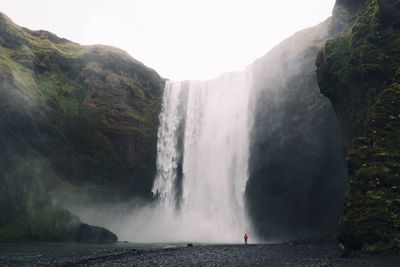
(245, 238)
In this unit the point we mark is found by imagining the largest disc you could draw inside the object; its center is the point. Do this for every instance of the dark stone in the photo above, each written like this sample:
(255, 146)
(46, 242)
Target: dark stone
(94, 234)
(390, 12)
(353, 6)
(296, 167)
(359, 73)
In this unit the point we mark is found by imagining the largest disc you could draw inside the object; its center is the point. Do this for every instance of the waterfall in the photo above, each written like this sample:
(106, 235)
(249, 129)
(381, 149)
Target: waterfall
(202, 159)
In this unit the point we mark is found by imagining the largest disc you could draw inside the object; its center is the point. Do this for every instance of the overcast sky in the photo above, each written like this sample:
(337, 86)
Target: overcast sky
(180, 39)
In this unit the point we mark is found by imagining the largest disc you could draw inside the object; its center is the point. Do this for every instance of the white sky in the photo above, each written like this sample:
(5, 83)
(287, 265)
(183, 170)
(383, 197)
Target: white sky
(180, 39)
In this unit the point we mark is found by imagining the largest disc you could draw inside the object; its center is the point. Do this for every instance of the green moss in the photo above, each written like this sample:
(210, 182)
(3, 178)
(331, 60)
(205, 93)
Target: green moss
(43, 221)
(90, 114)
(372, 215)
(40, 221)
(81, 119)
(15, 230)
(358, 72)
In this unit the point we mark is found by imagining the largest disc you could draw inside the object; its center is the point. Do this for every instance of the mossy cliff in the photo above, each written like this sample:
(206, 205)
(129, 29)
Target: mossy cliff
(74, 118)
(359, 72)
(41, 221)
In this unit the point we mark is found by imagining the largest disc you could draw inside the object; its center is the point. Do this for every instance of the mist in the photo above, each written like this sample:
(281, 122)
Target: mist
(257, 151)
(297, 171)
(202, 157)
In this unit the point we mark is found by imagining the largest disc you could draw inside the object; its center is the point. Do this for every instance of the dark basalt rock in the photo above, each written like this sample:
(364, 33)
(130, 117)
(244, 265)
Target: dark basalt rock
(94, 234)
(390, 12)
(359, 73)
(352, 6)
(41, 221)
(296, 168)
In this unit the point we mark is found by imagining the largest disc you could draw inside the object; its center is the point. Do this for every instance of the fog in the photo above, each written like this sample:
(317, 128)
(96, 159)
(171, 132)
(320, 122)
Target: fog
(202, 159)
(297, 173)
(257, 151)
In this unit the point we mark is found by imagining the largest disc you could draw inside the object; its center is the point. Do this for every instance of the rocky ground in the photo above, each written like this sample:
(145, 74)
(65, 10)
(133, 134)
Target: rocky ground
(286, 254)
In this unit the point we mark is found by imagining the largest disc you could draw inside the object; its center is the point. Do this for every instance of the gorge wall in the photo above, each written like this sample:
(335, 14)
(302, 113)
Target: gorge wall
(359, 73)
(76, 119)
(297, 173)
(81, 122)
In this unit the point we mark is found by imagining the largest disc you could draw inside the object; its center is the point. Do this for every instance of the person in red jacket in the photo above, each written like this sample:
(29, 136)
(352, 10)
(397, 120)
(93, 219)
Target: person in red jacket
(245, 238)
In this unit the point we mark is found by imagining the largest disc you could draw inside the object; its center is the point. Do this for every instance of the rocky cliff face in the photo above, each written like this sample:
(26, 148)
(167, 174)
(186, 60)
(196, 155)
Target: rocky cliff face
(296, 168)
(74, 118)
(359, 73)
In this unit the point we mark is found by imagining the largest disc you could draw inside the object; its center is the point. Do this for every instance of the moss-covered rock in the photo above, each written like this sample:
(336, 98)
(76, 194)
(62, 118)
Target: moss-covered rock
(359, 74)
(92, 111)
(372, 217)
(42, 221)
(76, 119)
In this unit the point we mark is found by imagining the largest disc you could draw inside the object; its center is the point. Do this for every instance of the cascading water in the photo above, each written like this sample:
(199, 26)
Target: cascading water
(203, 149)
(293, 171)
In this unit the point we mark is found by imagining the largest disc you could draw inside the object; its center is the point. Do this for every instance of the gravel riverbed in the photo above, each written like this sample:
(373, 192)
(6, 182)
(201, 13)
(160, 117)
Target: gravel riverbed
(316, 253)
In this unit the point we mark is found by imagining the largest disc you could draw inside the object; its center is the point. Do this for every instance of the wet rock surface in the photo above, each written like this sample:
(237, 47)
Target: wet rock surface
(358, 73)
(286, 254)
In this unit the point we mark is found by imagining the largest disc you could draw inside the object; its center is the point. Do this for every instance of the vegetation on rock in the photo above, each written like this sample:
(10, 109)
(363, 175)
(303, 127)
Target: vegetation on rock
(73, 118)
(41, 221)
(359, 73)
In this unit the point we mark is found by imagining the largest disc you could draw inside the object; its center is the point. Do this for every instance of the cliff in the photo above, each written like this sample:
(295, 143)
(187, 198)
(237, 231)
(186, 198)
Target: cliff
(76, 119)
(359, 73)
(297, 170)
